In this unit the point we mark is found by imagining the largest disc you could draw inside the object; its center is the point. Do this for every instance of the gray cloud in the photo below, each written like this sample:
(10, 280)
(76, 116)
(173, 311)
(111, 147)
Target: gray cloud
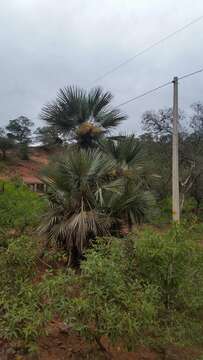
(47, 44)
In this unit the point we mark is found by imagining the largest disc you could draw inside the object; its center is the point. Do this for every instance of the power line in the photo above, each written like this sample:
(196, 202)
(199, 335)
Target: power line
(145, 93)
(112, 70)
(159, 87)
(190, 74)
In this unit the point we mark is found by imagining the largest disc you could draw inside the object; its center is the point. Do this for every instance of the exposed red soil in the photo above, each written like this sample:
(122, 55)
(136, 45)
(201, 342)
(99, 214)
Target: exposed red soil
(63, 344)
(23, 169)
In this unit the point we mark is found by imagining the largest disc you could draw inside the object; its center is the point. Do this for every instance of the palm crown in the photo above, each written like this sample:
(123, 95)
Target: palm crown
(83, 116)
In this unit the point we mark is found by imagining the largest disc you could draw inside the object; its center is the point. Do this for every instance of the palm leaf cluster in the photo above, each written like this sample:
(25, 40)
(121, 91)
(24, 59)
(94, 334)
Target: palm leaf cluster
(84, 117)
(95, 192)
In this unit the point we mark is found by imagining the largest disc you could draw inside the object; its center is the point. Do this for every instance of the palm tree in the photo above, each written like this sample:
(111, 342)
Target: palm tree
(130, 206)
(89, 198)
(84, 117)
(76, 183)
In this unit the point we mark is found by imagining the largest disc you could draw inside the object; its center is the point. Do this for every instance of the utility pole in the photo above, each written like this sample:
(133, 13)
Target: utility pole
(175, 161)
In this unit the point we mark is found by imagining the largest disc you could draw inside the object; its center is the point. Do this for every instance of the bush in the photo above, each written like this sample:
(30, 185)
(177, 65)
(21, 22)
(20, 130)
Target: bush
(19, 207)
(108, 304)
(146, 289)
(163, 214)
(28, 301)
(173, 263)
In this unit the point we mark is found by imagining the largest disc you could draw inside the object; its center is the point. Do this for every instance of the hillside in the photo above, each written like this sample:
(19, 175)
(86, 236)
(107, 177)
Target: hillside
(27, 170)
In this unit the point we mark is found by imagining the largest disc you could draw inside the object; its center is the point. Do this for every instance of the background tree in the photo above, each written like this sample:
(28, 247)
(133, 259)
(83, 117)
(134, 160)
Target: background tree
(194, 146)
(196, 122)
(157, 145)
(5, 143)
(81, 116)
(20, 130)
(48, 136)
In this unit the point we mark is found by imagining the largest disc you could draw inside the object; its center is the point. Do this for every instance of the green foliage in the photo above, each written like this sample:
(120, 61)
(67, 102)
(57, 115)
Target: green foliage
(174, 264)
(164, 210)
(19, 129)
(26, 304)
(5, 143)
(92, 195)
(48, 136)
(24, 151)
(109, 305)
(17, 263)
(19, 207)
(82, 116)
(146, 289)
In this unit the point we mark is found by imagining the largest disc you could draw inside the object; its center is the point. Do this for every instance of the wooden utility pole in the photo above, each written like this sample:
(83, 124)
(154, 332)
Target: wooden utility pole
(175, 161)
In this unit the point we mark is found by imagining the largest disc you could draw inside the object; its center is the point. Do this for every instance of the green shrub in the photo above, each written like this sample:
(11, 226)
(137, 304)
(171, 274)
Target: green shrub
(174, 263)
(19, 207)
(163, 214)
(146, 289)
(108, 304)
(28, 299)
(18, 262)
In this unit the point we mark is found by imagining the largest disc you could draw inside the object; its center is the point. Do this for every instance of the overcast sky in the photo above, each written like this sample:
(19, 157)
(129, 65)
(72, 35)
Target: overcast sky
(48, 44)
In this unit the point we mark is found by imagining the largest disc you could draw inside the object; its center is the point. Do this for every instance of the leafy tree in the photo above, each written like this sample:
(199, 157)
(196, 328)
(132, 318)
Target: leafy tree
(158, 148)
(84, 117)
(5, 143)
(159, 123)
(194, 149)
(19, 130)
(196, 122)
(48, 136)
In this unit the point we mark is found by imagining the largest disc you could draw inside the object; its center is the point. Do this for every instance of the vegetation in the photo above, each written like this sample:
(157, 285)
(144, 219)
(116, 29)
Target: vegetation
(84, 117)
(5, 143)
(20, 209)
(19, 129)
(48, 136)
(92, 267)
(157, 146)
(146, 284)
(90, 195)
(19, 134)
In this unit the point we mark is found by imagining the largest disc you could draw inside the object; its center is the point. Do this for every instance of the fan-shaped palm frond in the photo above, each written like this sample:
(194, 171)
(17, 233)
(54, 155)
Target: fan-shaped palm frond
(83, 116)
(88, 196)
(126, 150)
(76, 215)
